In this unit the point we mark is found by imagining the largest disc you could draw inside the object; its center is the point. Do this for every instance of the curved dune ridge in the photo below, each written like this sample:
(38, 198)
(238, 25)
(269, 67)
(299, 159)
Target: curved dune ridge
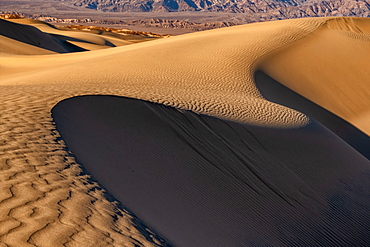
(231, 171)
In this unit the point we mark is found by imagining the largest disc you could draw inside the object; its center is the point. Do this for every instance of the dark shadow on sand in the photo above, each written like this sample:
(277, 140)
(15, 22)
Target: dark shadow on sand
(202, 181)
(33, 36)
(139, 225)
(275, 92)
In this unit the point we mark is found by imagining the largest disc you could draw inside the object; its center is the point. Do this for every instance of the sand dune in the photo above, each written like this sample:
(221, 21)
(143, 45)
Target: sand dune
(274, 91)
(27, 35)
(336, 74)
(42, 35)
(201, 181)
(234, 168)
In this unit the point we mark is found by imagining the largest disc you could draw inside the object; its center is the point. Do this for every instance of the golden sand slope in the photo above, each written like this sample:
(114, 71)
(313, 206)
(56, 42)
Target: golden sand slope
(43, 196)
(208, 72)
(335, 73)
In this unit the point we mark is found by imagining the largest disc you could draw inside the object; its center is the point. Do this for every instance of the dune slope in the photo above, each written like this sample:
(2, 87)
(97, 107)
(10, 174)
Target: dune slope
(32, 37)
(47, 197)
(274, 91)
(335, 74)
(202, 181)
(27, 35)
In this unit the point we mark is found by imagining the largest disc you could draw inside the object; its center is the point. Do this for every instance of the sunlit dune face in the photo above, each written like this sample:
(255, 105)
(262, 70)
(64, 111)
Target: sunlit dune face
(334, 73)
(213, 75)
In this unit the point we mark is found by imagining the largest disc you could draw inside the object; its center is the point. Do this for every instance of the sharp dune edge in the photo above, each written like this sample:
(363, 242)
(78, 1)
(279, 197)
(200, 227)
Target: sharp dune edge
(47, 198)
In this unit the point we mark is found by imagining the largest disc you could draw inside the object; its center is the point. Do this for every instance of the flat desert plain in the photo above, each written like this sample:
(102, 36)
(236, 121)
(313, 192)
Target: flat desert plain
(252, 135)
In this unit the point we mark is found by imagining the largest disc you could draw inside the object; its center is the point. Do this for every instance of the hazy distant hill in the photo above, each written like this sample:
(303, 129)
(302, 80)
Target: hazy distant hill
(268, 9)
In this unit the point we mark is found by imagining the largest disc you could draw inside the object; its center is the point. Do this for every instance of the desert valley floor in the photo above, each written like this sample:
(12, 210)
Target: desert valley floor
(252, 135)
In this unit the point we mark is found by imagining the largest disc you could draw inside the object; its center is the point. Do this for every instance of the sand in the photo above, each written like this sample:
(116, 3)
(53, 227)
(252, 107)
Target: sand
(202, 181)
(26, 37)
(342, 87)
(294, 163)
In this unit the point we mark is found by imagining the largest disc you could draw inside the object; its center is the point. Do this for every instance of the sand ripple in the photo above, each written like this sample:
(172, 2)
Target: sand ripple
(45, 196)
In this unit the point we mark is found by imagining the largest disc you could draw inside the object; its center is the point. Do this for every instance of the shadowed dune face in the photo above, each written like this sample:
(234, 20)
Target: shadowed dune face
(278, 93)
(202, 181)
(28, 35)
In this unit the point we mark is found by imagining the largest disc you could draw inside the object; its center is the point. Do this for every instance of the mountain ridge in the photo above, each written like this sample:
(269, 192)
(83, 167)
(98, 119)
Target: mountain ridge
(280, 9)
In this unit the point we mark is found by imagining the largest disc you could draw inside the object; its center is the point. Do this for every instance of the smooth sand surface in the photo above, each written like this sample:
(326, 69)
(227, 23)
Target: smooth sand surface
(203, 181)
(296, 164)
(274, 91)
(336, 72)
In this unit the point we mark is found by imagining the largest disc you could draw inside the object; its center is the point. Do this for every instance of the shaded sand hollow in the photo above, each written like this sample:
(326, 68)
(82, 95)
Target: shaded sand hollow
(282, 159)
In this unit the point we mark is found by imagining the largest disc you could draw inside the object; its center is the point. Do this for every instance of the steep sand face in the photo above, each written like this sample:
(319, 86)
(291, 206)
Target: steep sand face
(203, 181)
(30, 36)
(9, 45)
(274, 91)
(47, 198)
(334, 74)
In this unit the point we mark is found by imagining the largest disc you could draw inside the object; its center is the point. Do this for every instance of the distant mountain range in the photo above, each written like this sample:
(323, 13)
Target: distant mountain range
(263, 9)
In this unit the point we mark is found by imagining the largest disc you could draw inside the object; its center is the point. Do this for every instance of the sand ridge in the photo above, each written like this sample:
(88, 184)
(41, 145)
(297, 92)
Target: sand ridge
(232, 53)
(336, 74)
(213, 76)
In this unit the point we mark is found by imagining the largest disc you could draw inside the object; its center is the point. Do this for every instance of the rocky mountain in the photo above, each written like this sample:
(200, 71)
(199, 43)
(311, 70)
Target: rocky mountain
(89, 24)
(261, 9)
